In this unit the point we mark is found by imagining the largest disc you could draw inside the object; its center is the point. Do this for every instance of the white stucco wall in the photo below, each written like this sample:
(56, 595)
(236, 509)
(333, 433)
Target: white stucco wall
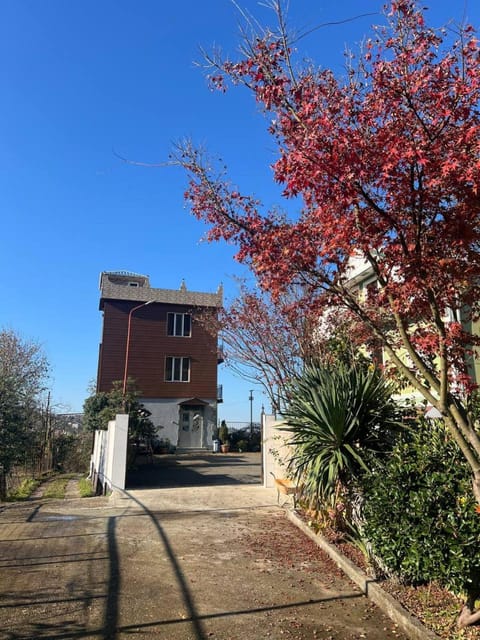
(275, 451)
(165, 417)
(117, 449)
(109, 457)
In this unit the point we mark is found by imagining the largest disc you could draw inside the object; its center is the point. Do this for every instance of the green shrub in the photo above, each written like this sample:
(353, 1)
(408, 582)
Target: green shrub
(25, 490)
(72, 452)
(419, 512)
(242, 445)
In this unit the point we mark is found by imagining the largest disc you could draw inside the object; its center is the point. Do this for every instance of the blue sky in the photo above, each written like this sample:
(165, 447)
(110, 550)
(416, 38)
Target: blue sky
(82, 80)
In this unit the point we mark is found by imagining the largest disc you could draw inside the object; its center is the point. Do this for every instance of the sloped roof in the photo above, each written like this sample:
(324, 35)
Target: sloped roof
(193, 402)
(118, 285)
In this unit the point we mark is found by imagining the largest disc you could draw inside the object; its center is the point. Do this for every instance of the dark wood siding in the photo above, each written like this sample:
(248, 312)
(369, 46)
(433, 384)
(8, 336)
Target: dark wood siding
(150, 345)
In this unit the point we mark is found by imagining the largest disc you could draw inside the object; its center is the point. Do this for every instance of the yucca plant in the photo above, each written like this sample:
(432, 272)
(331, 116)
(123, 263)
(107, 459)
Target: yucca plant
(338, 418)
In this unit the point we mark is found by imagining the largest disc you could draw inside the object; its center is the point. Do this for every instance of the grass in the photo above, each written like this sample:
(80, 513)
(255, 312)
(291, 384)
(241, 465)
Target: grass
(85, 488)
(56, 488)
(25, 490)
(53, 487)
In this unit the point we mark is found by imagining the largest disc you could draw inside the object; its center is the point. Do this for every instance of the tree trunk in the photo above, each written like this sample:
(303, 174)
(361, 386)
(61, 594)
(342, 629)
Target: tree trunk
(468, 615)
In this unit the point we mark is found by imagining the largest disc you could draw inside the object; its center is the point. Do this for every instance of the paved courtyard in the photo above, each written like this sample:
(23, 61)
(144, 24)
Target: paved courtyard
(190, 562)
(197, 469)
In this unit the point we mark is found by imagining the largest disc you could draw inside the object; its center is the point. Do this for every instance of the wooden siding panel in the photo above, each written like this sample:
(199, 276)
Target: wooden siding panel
(150, 345)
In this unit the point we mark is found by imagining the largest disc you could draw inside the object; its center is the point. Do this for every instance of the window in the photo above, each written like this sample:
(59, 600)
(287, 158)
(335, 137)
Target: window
(371, 289)
(177, 369)
(179, 324)
(185, 421)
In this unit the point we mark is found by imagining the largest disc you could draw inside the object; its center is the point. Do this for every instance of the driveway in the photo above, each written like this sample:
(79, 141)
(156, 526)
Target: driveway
(180, 563)
(201, 468)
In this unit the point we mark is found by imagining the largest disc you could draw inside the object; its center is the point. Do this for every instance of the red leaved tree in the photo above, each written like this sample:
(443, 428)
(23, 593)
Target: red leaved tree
(267, 342)
(387, 165)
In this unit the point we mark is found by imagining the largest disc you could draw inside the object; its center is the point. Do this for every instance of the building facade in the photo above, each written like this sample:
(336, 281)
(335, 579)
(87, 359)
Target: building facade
(163, 339)
(360, 279)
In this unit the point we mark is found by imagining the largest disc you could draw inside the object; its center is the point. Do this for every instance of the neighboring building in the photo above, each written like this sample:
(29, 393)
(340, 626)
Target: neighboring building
(360, 278)
(69, 422)
(170, 352)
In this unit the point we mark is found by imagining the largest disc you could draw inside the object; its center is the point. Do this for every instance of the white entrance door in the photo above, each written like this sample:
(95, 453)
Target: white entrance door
(191, 427)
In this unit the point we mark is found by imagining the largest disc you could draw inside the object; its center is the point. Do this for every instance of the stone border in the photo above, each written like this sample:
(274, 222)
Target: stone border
(408, 623)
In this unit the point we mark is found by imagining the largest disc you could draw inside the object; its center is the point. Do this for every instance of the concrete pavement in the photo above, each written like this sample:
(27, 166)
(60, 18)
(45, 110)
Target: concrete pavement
(192, 562)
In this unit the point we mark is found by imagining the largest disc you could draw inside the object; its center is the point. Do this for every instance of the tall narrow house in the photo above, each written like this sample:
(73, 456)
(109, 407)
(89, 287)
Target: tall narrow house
(163, 340)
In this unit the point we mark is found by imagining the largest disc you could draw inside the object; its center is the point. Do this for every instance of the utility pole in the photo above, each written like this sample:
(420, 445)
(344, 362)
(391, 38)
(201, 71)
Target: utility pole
(251, 412)
(46, 463)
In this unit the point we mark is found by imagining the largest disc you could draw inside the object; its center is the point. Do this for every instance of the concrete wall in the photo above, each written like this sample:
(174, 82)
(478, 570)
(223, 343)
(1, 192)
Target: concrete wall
(275, 451)
(108, 465)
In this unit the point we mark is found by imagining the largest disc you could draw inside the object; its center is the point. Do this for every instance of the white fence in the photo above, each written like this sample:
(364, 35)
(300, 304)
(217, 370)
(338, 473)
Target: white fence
(108, 464)
(109, 458)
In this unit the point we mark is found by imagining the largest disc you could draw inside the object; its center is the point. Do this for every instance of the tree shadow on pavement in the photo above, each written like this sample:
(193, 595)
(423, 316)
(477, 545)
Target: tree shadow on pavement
(193, 617)
(107, 625)
(199, 470)
(197, 627)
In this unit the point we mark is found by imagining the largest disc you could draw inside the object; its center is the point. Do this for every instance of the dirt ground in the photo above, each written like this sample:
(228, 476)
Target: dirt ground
(193, 562)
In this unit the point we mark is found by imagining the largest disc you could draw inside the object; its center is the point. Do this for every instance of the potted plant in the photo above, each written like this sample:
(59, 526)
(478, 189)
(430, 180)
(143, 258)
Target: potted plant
(223, 435)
